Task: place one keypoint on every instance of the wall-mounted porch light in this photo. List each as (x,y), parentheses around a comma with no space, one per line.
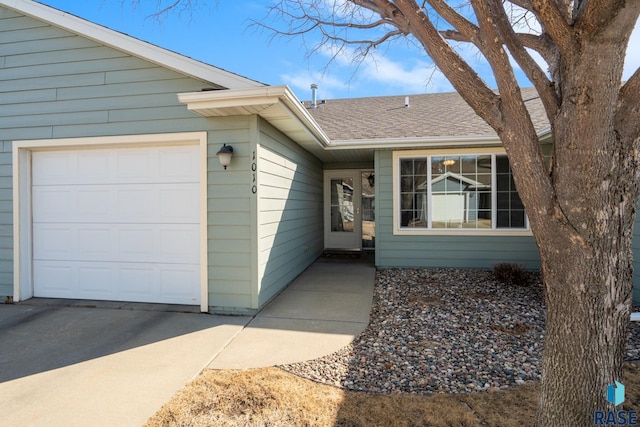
(224,155)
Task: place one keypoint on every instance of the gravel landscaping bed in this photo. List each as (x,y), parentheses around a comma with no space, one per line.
(443,331)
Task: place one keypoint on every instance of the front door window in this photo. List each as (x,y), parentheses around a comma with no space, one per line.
(342,208)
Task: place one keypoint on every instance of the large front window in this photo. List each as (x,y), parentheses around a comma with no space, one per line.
(458,192)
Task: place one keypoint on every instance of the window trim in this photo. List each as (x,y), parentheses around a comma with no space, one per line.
(397,230)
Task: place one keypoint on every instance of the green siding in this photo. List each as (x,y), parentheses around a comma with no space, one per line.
(54,84)
(289,208)
(439,250)
(229,223)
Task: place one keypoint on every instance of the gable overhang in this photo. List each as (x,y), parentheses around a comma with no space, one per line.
(276,104)
(130,45)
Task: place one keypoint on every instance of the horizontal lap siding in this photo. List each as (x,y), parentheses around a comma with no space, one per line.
(439,250)
(290,233)
(229,204)
(54,84)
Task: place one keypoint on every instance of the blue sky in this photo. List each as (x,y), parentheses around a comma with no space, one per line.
(221,34)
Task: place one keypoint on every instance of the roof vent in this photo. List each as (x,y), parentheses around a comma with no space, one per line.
(314,95)
(406,102)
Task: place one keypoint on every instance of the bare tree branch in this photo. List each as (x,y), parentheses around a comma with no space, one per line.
(455,36)
(454,18)
(162,8)
(555,24)
(474,90)
(491,46)
(538,43)
(522,57)
(593,15)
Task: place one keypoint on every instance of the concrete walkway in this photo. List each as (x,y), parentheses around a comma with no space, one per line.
(323,310)
(70,363)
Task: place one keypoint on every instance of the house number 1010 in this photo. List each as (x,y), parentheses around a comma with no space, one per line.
(254,169)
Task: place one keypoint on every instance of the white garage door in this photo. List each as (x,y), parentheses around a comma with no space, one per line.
(117,224)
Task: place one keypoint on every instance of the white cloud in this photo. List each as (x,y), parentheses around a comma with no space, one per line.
(344,76)
(329,86)
(410,76)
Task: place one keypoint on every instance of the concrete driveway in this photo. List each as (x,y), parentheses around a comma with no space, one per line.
(116,364)
(80,366)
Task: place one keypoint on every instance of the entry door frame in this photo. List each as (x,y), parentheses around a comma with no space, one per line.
(22,227)
(341,240)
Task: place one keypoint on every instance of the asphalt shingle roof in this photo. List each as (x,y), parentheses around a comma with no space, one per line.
(428,115)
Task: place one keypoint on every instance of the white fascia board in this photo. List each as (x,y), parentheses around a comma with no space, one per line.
(130,45)
(231,97)
(266,95)
(300,113)
(426,142)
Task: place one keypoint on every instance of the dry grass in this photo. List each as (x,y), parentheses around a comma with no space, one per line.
(272,397)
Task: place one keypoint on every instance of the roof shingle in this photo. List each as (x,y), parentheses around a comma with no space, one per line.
(428,115)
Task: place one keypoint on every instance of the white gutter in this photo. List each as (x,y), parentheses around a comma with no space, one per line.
(266,96)
(423,142)
(635,317)
(414,142)
(129,44)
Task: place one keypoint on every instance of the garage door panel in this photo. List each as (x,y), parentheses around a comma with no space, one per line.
(53,203)
(178,164)
(93,203)
(117,224)
(146,282)
(171,243)
(134,165)
(137,203)
(116,166)
(95,281)
(179,203)
(92,166)
(53,167)
(53,241)
(54,280)
(178,282)
(136,282)
(179,243)
(136,244)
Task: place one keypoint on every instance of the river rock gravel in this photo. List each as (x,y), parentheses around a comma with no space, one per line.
(443,331)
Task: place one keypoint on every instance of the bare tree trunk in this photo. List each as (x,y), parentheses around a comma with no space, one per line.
(587,319)
(585,244)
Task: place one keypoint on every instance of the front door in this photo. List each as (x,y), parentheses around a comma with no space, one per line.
(343,206)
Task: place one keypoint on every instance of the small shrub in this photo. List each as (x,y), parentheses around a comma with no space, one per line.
(511,274)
